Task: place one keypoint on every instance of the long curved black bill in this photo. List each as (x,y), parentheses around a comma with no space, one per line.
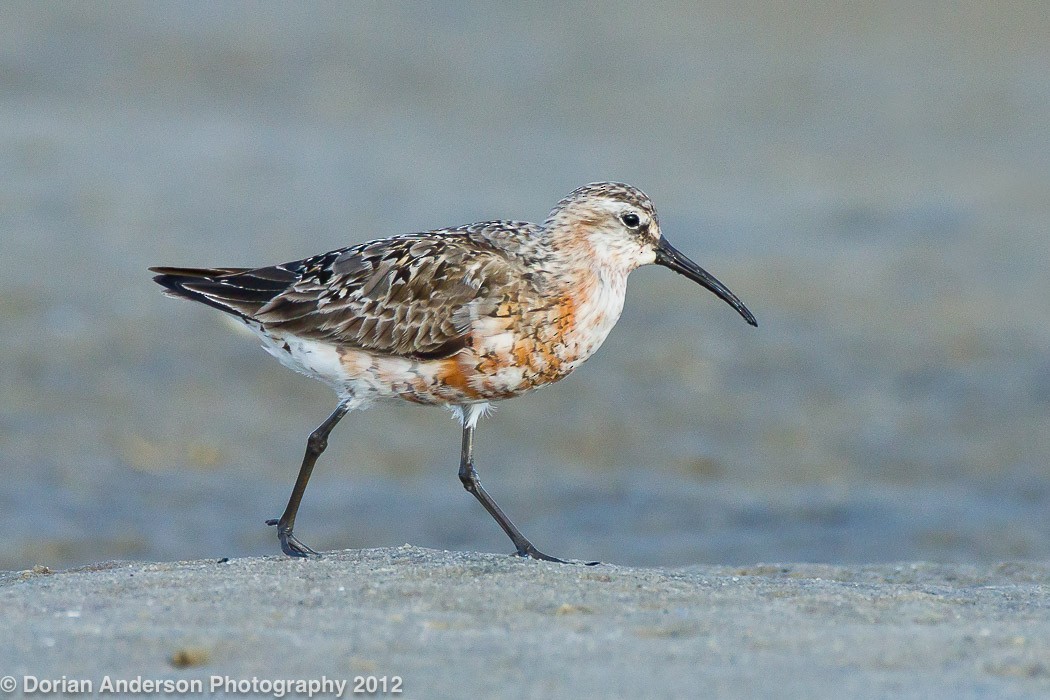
(669,256)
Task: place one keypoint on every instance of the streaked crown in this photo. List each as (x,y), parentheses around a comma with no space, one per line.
(588,197)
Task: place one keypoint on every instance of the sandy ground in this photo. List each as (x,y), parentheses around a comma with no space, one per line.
(873,181)
(480,625)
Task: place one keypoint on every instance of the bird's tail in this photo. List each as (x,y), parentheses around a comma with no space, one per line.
(239,291)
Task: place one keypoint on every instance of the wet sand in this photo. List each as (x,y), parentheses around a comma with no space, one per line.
(483,625)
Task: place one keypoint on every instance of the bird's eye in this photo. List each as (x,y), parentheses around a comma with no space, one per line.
(630,219)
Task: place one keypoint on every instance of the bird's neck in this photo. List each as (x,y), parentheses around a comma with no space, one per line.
(593,285)
(578,259)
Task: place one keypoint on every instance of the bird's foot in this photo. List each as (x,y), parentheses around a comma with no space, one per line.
(528,550)
(290,544)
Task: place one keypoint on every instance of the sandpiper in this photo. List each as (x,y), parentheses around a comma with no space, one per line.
(457,317)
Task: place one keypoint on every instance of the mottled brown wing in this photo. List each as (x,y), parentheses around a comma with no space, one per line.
(413,296)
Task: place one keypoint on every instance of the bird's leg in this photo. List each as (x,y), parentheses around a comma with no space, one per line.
(315,445)
(469,476)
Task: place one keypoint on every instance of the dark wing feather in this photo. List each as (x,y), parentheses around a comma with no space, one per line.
(239,291)
(412,296)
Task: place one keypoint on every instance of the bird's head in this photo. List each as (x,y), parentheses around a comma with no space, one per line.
(616,227)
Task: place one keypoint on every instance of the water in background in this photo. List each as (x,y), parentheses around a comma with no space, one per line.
(873,182)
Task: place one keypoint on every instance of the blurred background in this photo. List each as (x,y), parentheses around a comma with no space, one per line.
(872,179)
